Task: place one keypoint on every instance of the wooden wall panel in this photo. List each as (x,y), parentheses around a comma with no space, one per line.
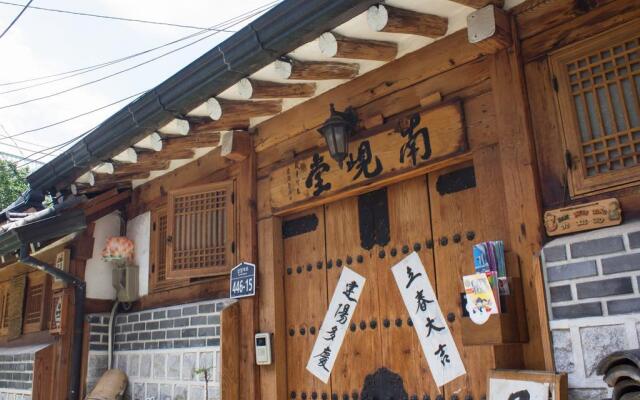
(229,355)
(361,353)
(306,301)
(43,369)
(410,230)
(478,210)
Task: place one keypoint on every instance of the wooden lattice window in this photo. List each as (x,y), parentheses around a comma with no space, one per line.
(598,94)
(158,272)
(200,231)
(38,293)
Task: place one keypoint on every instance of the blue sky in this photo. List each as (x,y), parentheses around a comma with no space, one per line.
(43,43)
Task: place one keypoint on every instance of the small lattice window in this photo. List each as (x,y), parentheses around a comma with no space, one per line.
(598,93)
(34,310)
(200,231)
(158,276)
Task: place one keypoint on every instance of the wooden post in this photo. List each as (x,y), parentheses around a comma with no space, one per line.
(383,18)
(247,251)
(334,45)
(229,353)
(521,186)
(273,378)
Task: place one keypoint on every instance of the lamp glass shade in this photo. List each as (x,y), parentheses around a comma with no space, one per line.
(337,131)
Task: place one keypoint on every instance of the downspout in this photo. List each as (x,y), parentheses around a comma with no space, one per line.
(79,287)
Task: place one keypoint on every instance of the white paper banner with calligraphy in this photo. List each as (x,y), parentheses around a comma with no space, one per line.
(504,389)
(435,338)
(335,324)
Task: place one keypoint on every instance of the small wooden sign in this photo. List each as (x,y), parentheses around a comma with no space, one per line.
(63,259)
(583,217)
(410,144)
(58,313)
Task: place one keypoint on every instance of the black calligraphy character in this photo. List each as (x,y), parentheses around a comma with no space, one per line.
(362,162)
(332,333)
(318,167)
(351,287)
(444,357)
(342,313)
(411,148)
(520,395)
(432,326)
(412,276)
(422,301)
(323,358)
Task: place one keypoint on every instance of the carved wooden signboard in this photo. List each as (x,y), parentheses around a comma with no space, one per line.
(583,217)
(412,143)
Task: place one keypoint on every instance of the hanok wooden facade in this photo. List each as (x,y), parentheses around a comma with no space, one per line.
(543,113)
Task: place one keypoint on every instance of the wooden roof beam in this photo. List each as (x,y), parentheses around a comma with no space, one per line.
(236,109)
(103,168)
(129,156)
(193,141)
(256,89)
(152,142)
(152,165)
(477,4)
(177,127)
(202,126)
(383,18)
(315,70)
(335,45)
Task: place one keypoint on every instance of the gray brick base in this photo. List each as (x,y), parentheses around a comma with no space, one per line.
(16,375)
(592,281)
(160,350)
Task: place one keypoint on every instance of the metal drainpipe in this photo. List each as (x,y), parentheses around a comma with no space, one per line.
(80,293)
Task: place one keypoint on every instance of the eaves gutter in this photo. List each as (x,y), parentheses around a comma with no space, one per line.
(284,28)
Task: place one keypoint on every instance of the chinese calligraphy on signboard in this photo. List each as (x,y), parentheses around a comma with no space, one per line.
(336,321)
(435,338)
(418,140)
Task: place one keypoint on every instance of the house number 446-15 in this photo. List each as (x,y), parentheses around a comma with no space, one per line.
(243,279)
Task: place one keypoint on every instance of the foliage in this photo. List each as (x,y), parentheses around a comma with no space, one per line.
(12,182)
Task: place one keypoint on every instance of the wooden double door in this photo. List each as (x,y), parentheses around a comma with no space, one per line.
(440,216)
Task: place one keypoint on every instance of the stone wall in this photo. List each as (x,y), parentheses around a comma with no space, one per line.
(592,284)
(160,350)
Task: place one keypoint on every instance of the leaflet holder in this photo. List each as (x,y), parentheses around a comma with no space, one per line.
(510,326)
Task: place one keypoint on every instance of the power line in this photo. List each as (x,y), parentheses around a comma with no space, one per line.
(24,8)
(112,17)
(115,61)
(116,73)
(74,117)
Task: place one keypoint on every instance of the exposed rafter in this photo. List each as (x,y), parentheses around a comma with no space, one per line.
(335,45)
(382,18)
(127,157)
(152,142)
(256,89)
(176,126)
(315,70)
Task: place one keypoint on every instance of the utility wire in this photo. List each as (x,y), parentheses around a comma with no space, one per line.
(115,61)
(52,149)
(111,17)
(74,117)
(115,73)
(24,8)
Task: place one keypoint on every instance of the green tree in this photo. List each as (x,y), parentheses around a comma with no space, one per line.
(12,182)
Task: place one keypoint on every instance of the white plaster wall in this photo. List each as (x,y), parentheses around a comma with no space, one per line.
(98,272)
(139,231)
